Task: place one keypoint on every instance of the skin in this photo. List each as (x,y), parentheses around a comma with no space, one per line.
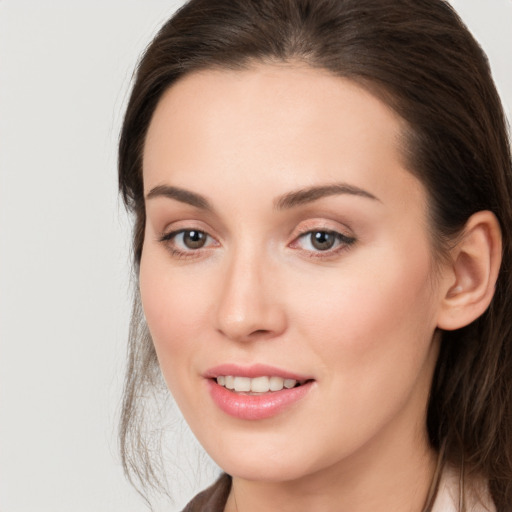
(360,319)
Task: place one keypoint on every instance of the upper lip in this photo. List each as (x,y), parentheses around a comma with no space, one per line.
(252,371)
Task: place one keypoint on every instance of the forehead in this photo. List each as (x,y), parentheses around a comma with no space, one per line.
(292,123)
(267,96)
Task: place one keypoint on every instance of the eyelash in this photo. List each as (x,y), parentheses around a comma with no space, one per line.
(343,243)
(169,240)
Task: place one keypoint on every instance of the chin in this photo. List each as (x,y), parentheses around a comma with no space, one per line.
(263,470)
(265,459)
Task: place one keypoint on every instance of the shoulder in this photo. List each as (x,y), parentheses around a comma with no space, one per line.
(454,494)
(212,499)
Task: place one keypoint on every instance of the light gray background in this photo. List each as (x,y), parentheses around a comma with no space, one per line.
(65,71)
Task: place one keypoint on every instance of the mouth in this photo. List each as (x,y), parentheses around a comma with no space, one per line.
(257,392)
(257,385)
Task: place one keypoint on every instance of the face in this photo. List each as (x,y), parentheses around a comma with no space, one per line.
(287,255)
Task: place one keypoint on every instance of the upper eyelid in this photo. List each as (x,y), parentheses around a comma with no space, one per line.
(167,235)
(322,225)
(347,238)
(333,231)
(300,229)
(188,225)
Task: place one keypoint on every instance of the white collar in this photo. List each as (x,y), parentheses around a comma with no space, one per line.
(476,495)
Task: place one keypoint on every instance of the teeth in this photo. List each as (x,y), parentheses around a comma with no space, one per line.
(289,383)
(260,385)
(276,383)
(256,385)
(229,382)
(242,384)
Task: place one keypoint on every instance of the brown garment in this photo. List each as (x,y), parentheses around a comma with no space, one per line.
(477,498)
(212,499)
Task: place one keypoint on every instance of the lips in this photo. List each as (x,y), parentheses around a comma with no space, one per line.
(256,392)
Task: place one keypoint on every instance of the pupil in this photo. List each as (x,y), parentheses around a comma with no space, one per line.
(194,239)
(322,240)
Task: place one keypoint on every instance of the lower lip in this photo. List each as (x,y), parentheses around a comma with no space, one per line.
(256,407)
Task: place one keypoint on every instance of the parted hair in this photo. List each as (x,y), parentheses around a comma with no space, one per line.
(420,59)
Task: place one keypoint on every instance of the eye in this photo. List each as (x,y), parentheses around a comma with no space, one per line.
(323,240)
(185,241)
(192,239)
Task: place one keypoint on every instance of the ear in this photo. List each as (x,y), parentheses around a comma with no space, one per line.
(471,277)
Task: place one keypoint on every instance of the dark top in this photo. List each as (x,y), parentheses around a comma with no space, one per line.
(212,499)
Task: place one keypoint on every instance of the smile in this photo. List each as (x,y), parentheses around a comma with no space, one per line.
(258,392)
(257,384)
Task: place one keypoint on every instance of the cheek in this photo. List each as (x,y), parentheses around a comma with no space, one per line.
(371,335)
(174,307)
(374,314)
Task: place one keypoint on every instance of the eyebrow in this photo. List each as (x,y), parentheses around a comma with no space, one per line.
(287,201)
(310,194)
(179,194)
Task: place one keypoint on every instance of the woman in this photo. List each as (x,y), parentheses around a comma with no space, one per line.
(321,192)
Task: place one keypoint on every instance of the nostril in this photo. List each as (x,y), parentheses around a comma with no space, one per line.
(260,332)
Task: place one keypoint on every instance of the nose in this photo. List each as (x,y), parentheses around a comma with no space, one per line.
(250,305)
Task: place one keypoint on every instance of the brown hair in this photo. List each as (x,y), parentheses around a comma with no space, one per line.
(420,59)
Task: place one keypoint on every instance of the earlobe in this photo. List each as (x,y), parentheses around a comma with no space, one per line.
(471,278)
